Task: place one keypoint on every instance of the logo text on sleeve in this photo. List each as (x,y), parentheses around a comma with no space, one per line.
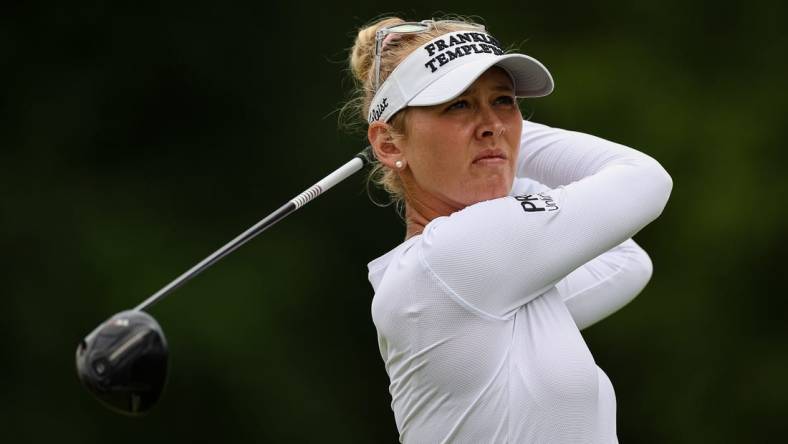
(537,202)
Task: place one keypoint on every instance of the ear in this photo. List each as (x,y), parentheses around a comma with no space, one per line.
(387,150)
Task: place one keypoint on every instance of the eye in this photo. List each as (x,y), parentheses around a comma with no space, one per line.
(505,100)
(460,104)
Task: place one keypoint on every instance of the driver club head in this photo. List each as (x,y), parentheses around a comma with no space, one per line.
(123,362)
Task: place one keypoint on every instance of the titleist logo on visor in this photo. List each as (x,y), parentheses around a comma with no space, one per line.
(460,45)
(377,111)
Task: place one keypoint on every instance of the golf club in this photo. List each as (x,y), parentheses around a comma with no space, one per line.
(123,362)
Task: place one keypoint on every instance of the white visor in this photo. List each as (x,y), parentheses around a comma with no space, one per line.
(443,68)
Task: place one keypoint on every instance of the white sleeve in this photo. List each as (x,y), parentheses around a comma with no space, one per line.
(500,254)
(603,285)
(551,170)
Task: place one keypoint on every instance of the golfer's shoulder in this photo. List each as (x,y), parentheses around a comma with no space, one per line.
(401,261)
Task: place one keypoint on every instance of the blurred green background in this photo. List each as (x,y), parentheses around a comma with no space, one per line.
(136,138)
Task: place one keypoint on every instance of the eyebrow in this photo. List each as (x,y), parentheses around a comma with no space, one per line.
(498,87)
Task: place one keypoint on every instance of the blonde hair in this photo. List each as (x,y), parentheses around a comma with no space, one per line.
(362,61)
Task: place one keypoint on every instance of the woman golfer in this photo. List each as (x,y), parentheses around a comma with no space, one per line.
(517,237)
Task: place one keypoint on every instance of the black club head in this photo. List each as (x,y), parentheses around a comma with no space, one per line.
(123,362)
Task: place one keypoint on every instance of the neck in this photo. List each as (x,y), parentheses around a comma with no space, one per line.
(418,214)
(414,222)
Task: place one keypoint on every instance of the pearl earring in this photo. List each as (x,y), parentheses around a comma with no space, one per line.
(399,164)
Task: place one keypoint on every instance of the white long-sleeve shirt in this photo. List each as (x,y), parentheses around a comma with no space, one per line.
(478,317)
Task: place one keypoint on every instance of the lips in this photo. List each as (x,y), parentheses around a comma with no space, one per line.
(490,155)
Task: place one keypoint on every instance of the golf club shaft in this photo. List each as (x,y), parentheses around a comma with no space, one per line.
(297,202)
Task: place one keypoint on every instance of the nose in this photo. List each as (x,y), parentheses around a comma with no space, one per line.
(490,125)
